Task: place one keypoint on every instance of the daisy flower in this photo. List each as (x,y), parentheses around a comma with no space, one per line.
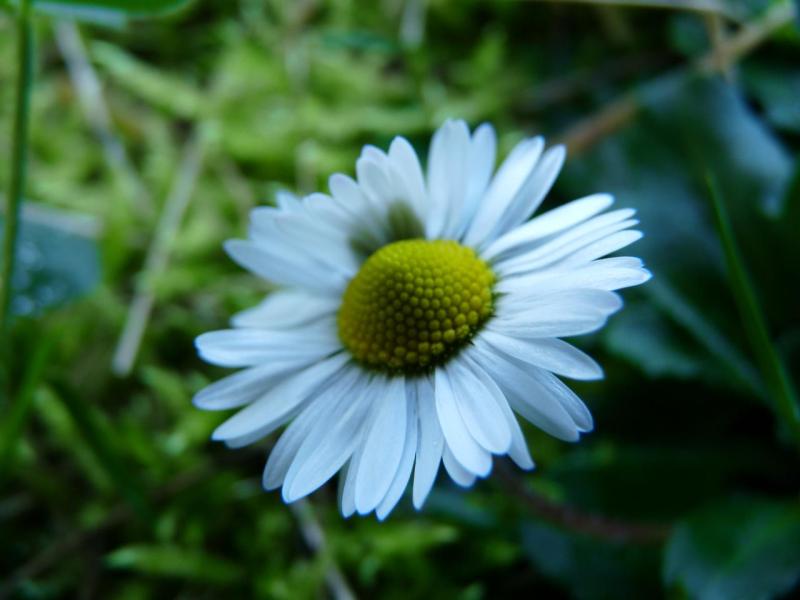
(416,314)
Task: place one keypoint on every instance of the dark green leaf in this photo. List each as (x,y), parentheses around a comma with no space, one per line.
(658,166)
(741,549)
(588,568)
(776,88)
(641,335)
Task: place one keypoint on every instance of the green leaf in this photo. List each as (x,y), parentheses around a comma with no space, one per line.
(113,13)
(610,479)
(588,568)
(640,335)
(57,259)
(776,88)
(174,561)
(16,414)
(754,321)
(658,165)
(744,548)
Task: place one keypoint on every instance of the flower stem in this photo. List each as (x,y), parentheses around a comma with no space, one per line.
(16,187)
(776,376)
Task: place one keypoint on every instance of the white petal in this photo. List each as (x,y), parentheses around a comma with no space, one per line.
(600,248)
(548,384)
(549,223)
(269,410)
(248,347)
(431,441)
(316,238)
(446,178)
(549,353)
(287,309)
(525,259)
(530,195)
(257,434)
(558,314)
(375,181)
(480,166)
(604,274)
(383,446)
(287,201)
(347,487)
(456,470)
(245,386)
(400,481)
(569,400)
(283,268)
(479,405)
(518,451)
(503,188)
(406,165)
(330,443)
(349,195)
(525,395)
(318,409)
(466,450)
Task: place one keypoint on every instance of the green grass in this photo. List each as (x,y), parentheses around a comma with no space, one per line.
(110,485)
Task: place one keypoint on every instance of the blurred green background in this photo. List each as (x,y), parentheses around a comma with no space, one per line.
(150,142)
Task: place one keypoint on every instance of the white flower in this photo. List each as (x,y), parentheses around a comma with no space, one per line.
(415,316)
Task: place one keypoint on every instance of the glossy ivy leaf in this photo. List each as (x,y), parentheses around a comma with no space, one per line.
(744,548)
(57,260)
(113,13)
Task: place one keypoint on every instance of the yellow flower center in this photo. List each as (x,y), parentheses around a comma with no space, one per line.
(414,303)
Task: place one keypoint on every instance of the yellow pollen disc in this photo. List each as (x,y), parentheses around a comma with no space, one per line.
(414,303)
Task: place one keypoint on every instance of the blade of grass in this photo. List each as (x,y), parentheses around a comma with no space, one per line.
(16,414)
(157,258)
(98,437)
(694,323)
(16,186)
(775,374)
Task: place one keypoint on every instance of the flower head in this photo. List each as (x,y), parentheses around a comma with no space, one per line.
(416,314)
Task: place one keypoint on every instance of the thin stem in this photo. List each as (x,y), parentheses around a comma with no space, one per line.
(773,370)
(314,536)
(574,520)
(16,187)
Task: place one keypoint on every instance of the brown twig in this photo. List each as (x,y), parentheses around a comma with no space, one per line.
(598,526)
(623,109)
